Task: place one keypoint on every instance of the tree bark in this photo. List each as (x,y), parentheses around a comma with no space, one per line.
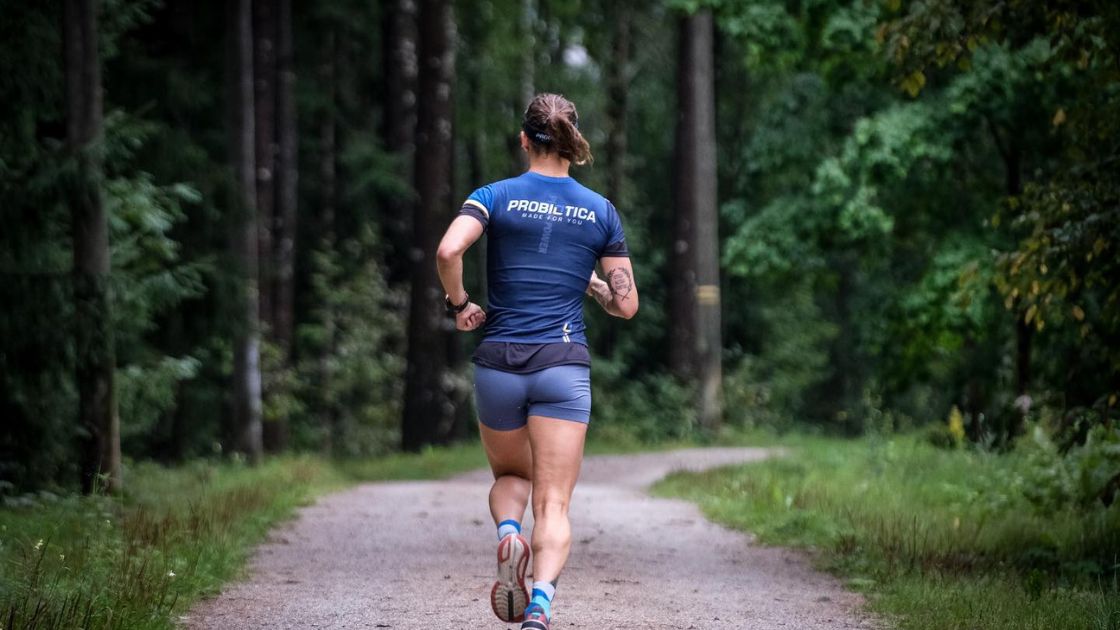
(527,32)
(264,109)
(287,179)
(328,167)
(695,343)
(246,431)
(95,354)
(428,413)
(400,77)
(682,258)
(618,83)
(276,186)
(1009,150)
(845,366)
(473,28)
(527,25)
(399,131)
(1024,330)
(620,15)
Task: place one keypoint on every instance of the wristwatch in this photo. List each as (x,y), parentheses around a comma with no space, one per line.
(455,309)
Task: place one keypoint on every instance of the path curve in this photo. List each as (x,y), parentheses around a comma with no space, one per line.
(409,554)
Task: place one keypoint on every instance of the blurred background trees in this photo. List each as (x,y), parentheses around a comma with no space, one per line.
(913,205)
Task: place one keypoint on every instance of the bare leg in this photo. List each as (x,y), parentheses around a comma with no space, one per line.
(557,452)
(511,461)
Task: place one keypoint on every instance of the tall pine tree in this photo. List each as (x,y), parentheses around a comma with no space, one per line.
(94,345)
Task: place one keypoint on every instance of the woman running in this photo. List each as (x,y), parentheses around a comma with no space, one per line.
(533,369)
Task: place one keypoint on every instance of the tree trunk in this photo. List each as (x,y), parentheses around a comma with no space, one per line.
(327,186)
(695,343)
(845,369)
(399,130)
(682,259)
(287,179)
(400,77)
(527,33)
(276,187)
(264,109)
(1024,330)
(243,242)
(618,85)
(527,25)
(474,28)
(95,355)
(428,416)
(1008,148)
(709,342)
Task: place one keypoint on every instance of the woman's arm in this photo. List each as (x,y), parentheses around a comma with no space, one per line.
(618,294)
(462,233)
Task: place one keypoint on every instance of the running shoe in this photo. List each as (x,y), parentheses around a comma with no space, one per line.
(535,619)
(509,596)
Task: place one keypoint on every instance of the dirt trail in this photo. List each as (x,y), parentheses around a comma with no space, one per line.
(421,554)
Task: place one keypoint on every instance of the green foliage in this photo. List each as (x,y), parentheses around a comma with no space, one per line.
(353,374)
(145,394)
(649,409)
(916,525)
(947,306)
(39,395)
(766,388)
(771,35)
(942,332)
(911,220)
(1042,77)
(148,280)
(879,245)
(1086,477)
(884,149)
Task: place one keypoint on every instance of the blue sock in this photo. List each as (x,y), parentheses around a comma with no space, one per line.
(543,592)
(507,527)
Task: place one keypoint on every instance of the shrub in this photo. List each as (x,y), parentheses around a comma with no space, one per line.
(1086,476)
(649,408)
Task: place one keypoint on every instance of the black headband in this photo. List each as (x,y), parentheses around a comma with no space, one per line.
(540,134)
(536,133)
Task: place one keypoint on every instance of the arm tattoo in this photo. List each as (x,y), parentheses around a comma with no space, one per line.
(620,282)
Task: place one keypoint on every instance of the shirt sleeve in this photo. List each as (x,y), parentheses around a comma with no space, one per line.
(616,237)
(478,205)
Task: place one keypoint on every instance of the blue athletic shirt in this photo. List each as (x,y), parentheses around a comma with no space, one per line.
(545,235)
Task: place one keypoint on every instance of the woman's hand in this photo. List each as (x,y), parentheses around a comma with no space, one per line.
(470,318)
(600,290)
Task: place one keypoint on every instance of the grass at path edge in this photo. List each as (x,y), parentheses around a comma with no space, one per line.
(937,539)
(175,536)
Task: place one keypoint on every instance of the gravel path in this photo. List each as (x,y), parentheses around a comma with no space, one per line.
(420,555)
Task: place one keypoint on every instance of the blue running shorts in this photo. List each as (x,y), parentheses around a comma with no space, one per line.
(506,400)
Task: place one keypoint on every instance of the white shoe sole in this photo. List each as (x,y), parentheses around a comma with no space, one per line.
(509,597)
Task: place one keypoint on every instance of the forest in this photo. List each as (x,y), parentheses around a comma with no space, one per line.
(908,210)
(849,219)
